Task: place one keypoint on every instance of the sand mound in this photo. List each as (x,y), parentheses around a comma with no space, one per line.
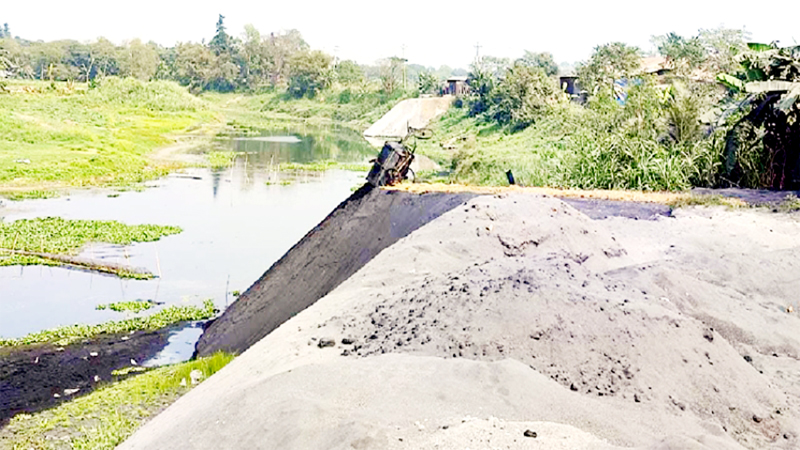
(520,311)
(357,230)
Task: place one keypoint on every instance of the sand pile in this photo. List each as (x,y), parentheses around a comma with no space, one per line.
(518,313)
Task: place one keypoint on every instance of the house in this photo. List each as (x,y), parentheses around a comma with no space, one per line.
(456,86)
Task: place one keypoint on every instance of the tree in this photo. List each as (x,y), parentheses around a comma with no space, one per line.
(282,47)
(310,73)
(221,42)
(494,65)
(607,64)
(391,70)
(681,53)
(543,61)
(723,46)
(481,83)
(349,72)
(522,96)
(139,60)
(105,56)
(5,32)
(428,83)
(255,59)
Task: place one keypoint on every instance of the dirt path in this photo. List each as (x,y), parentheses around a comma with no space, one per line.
(517,312)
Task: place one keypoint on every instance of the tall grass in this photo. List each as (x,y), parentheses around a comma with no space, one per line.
(601,146)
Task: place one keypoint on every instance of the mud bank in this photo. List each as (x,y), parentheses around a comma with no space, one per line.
(37,377)
(518,312)
(354,233)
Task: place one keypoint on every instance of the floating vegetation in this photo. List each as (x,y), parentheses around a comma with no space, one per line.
(71,333)
(284,182)
(54,241)
(135,306)
(221,160)
(321,166)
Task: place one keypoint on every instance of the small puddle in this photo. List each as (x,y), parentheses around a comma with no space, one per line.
(237,222)
(179,348)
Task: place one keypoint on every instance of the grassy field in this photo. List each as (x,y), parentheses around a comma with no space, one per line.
(66,136)
(107,416)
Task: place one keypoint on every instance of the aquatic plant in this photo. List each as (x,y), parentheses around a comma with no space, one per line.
(71,333)
(135,306)
(42,241)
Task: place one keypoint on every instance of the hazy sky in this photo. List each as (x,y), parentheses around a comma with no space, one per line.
(433,32)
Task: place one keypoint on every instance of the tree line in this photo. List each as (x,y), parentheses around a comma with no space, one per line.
(226,63)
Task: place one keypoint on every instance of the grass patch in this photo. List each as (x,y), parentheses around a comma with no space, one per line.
(109,415)
(90,137)
(135,306)
(790,204)
(68,334)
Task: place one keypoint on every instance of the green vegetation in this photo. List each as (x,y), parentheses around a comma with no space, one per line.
(632,127)
(135,306)
(57,235)
(321,166)
(221,160)
(60,135)
(762,147)
(109,415)
(45,241)
(68,334)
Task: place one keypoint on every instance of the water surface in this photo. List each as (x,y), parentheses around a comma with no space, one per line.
(237,222)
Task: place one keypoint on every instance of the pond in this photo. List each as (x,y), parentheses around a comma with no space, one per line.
(237,222)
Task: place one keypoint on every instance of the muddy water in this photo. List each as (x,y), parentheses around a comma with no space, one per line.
(236,221)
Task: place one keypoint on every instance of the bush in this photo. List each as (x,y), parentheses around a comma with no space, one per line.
(152,95)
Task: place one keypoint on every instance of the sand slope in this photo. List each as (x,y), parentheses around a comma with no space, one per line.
(519,312)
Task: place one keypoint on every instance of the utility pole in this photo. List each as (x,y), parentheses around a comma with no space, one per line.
(478,54)
(404,67)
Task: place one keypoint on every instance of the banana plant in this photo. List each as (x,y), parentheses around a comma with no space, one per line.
(762,148)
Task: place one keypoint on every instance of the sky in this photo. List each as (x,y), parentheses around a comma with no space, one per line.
(431,33)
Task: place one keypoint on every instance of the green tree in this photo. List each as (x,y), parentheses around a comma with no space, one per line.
(256,59)
(607,64)
(391,71)
(221,42)
(428,83)
(681,53)
(522,96)
(349,73)
(281,49)
(723,47)
(542,60)
(139,60)
(310,73)
(481,83)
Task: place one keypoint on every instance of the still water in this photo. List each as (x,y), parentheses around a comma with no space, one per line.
(236,223)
